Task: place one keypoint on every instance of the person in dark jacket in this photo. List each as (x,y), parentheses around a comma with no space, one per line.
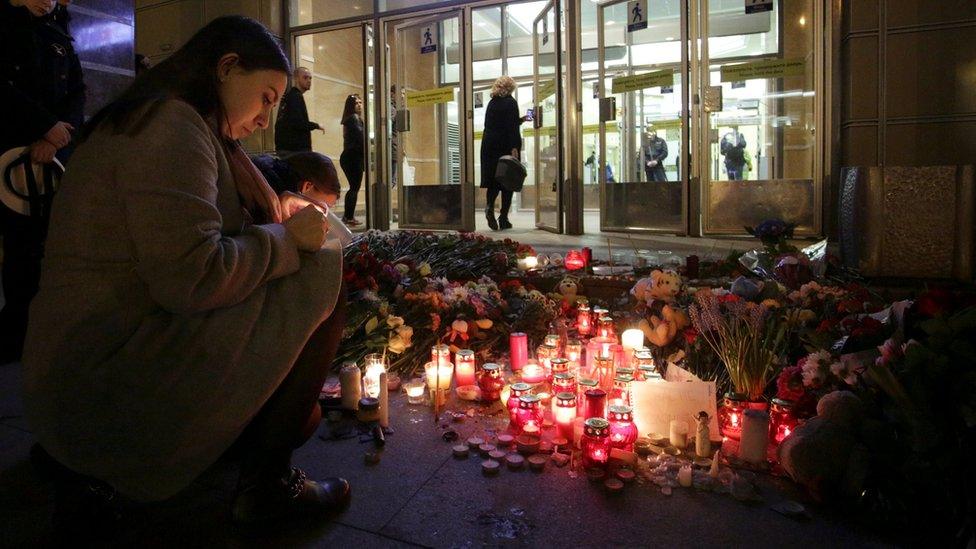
(42,101)
(353,157)
(652,156)
(733,148)
(501,137)
(293,130)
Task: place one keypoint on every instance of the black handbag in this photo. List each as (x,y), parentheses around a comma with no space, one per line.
(510,174)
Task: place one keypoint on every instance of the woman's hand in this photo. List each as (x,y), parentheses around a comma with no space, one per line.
(292,203)
(515,153)
(308,227)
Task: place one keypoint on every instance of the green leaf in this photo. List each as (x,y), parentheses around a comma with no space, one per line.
(371,324)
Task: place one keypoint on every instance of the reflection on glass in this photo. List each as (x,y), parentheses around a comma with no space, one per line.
(306,12)
(547,112)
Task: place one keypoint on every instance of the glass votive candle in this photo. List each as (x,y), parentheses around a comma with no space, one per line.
(564,383)
(553,340)
(415,391)
(491,382)
(605,328)
(678,435)
(559,366)
(631,339)
(583,385)
(595,403)
(530,414)
(438,380)
(782,422)
(544,354)
(596,443)
(596,347)
(533,373)
(623,432)
(517,390)
(563,413)
(440,354)
(644,363)
(375,364)
(574,353)
(605,372)
(620,396)
(518,350)
(464,368)
(584,320)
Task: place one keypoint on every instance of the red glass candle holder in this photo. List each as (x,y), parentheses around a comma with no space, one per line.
(465,369)
(574,260)
(574,353)
(623,432)
(559,365)
(595,443)
(730,415)
(517,390)
(620,396)
(564,383)
(584,384)
(530,414)
(595,403)
(606,371)
(782,422)
(544,355)
(605,328)
(584,320)
(441,354)
(563,413)
(491,383)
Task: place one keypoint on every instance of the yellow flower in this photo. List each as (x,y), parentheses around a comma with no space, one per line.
(460,326)
(484,323)
(770,303)
(394,321)
(396,345)
(424,269)
(405,333)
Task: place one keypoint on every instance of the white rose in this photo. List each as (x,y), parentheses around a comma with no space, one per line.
(394,321)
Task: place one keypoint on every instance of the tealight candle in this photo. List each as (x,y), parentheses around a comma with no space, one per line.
(464,367)
(518,350)
(684,476)
(415,391)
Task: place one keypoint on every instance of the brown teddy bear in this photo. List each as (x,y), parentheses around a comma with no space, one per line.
(662,330)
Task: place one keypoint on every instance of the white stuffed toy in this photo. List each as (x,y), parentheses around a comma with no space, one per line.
(660,286)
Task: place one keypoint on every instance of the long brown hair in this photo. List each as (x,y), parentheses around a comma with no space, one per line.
(349,109)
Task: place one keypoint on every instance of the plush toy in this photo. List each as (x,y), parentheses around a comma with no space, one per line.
(660,286)
(568,291)
(661,330)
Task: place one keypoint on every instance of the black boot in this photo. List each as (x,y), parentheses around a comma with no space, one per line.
(503,222)
(267,502)
(490,216)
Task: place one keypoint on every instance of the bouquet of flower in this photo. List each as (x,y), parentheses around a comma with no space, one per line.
(747,339)
(774,234)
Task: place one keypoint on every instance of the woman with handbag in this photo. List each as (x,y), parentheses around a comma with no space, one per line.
(501,137)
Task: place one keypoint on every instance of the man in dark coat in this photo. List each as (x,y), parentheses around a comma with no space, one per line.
(652,157)
(293,130)
(733,148)
(42,101)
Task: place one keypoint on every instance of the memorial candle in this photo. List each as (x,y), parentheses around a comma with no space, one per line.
(530,414)
(518,350)
(755,436)
(605,328)
(491,382)
(596,443)
(595,403)
(631,339)
(574,352)
(375,364)
(564,412)
(606,372)
(596,347)
(517,390)
(533,373)
(584,320)
(782,422)
(544,354)
(465,368)
(564,383)
(559,366)
(438,381)
(440,354)
(623,432)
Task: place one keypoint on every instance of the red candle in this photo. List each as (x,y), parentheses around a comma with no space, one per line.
(620,396)
(564,383)
(491,382)
(606,371)
(587,256)
(564,412)
(574,260)
(530,414)
(781,421)
(623,432)
(584,320)
(518,389)
(518,350)
(595,403)
(596,443)
(464,367)
(730,415)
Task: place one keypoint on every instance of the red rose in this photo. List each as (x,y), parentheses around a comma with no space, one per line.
(932,303)
(691,334)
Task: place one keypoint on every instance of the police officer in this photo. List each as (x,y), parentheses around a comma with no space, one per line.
(652,156)
(42,99)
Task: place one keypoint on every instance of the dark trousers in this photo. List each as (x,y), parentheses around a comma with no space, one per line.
(23,248)
(656,173)
(352,167)
(283,423)
(734,171)
(492,194)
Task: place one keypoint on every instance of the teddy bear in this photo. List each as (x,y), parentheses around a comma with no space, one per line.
(661,286)
(661,330)
(567,291)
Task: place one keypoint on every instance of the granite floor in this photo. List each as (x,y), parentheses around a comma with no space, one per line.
(419,495)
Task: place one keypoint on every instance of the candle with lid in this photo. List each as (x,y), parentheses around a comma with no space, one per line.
(564,382)
(621,390)
(584,320)
(574,352)
(623,432)
(491,382)
(544,354)
(530,414)
(440,354)
(564,412)
(782,422)
(605,328)
(553,340)
(583,385)
(605,370)
(517,390)
(518,350)
(596,443)
(464,367)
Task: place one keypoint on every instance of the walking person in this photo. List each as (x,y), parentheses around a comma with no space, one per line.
(293,129)
(42,101)
(185,310)
(733,148)
(353,157)
(501,137)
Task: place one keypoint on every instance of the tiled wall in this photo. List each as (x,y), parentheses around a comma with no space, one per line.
(104,32)
(908,91)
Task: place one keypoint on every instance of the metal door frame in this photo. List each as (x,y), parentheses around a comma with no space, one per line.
(686,121)
(557,75)
(467,187)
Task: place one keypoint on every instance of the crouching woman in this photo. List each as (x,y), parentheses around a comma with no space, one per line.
(185,309)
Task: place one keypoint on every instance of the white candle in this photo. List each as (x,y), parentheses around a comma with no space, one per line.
(351,386)
(384,401)
(755,436)
(632,339)
(684,476)
(375,365)
(533,373)
(439,380)
(415,391)
(528,263)
(679,433)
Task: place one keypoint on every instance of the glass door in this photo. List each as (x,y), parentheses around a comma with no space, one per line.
(433,192)
(340,61)
(760,147)
(643,139)
(547,85)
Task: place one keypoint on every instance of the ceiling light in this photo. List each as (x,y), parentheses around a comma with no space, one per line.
(803,20)
(611,22)
(669,38)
